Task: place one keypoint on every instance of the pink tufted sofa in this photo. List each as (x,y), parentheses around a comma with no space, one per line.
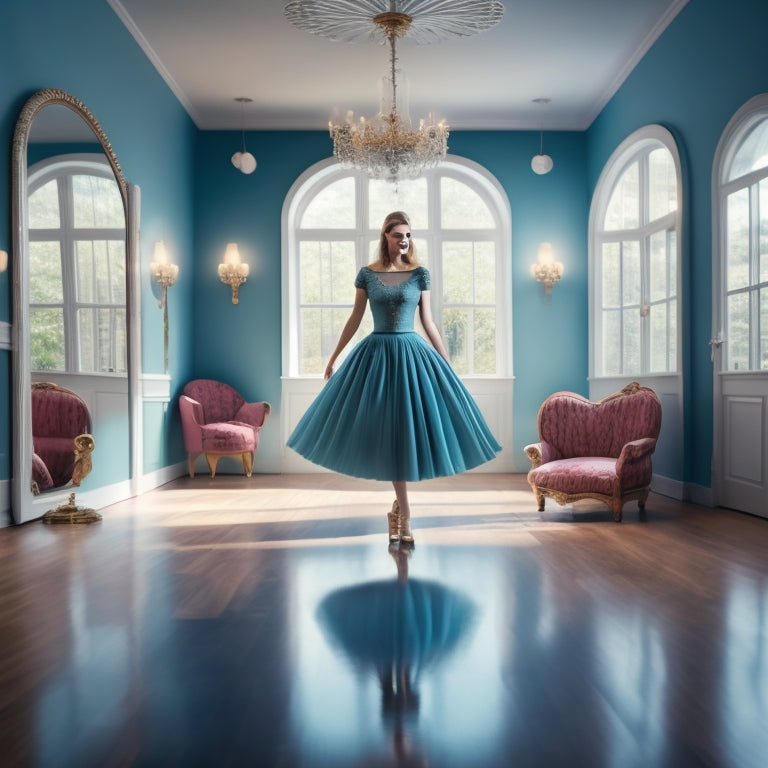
(599,450)
(217,422)
(59,418)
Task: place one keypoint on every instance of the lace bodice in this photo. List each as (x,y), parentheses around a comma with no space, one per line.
(393,296)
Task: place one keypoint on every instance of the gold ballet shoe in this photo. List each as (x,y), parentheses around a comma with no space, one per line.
(393,521)
(406,537)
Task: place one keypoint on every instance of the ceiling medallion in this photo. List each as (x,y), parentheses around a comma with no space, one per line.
(387,146)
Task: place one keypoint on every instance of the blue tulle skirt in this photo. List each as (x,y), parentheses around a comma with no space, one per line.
(395,410)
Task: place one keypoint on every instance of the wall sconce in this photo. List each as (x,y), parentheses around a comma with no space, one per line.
(546,270)
(162,270)
(233,271)
(165,273)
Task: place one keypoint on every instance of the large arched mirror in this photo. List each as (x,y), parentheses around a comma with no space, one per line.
(75,293)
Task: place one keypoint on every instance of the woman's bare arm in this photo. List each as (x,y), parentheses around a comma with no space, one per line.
(361,299)
(425,315)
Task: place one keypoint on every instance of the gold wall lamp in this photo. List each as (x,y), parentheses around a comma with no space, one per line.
(165,273)
(546,270)
(162,270)
(233,271)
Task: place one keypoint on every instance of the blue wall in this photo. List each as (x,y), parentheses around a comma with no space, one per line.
(84,49)
(711,60)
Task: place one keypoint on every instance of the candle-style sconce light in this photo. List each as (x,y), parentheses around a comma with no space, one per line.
(165,273)
(233,271)
(546,270)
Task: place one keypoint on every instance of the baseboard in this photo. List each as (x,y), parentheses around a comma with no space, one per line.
(162,476)
(699,494)
(681,491)
(99,498)
(666,486)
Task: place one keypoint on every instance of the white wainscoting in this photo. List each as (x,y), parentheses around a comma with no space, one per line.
(5,335)
(494,397)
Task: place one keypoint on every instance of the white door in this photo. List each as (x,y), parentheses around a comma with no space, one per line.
(740,311)
(741,450)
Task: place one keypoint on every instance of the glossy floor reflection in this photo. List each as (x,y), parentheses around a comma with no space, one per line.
(268,623)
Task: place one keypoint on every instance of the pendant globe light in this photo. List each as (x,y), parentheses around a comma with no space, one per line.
(244,161)
(541,163)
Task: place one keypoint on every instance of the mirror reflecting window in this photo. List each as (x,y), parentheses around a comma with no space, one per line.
(77,267)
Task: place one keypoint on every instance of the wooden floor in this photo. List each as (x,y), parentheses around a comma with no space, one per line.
(266,622)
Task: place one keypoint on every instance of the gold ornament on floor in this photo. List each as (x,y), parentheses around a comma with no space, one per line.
(71,513)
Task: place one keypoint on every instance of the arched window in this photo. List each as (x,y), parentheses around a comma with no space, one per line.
(635,259)
(742,216)
(77,267)
(460,222)
(461,226)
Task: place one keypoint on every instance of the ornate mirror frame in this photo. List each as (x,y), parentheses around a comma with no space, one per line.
(26,506)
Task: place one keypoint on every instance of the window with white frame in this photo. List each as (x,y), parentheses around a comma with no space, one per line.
(743,197)
(77,267)
(635,258)
(460,223)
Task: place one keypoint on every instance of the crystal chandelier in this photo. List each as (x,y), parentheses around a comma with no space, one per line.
(388,147)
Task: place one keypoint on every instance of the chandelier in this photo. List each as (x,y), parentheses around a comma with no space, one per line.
(388,146)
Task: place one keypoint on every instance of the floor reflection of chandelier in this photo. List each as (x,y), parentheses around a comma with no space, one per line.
(388,146)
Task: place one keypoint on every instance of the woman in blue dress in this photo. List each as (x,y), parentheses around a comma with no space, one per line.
(395,410)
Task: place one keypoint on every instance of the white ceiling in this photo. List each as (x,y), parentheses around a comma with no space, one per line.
(574,52)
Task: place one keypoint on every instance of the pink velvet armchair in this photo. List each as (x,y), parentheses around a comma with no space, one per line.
(599,450)
(62,443)
(218,422)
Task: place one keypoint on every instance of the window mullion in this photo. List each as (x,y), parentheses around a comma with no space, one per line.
(645,267)
(621,307)
(68,273)
(754,277)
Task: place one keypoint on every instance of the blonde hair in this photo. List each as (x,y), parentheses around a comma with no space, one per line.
(393,220)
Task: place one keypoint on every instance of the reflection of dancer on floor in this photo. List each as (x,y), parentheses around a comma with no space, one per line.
(399,697)
(395,410)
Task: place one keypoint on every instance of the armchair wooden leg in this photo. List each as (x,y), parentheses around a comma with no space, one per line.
(192,457)
(540,500)
(247,458)
(213,461)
